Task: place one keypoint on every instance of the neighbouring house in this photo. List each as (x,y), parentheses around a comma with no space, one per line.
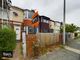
(77,33)
(57,26)
(44,24)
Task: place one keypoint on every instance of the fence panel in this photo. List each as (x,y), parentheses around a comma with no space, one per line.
(48,38)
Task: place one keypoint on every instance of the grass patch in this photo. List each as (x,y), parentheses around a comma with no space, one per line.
(62,46)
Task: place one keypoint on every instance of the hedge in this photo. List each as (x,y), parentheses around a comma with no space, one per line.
(7,39)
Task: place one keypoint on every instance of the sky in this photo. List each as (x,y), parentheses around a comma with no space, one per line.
(53,9)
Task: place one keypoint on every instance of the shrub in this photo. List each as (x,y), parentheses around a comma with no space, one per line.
(7,39)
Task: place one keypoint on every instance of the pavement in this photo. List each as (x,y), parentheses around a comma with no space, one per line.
(60,54)
(74,43)
(72,49)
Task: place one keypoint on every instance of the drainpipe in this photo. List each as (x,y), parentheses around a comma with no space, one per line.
(2,11)
(8,5)
(38,26)
(27,15)
(64,15)
(7,13)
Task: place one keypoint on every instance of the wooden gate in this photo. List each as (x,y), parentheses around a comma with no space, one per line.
(31,39)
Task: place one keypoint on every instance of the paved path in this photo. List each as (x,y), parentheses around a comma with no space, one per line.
(17,54)
(74,43)
(60,54)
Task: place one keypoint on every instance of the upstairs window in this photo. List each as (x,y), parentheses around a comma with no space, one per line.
(15,14)
(30,14)
(45,21)
(35,20)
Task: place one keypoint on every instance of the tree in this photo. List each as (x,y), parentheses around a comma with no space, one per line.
(70,28)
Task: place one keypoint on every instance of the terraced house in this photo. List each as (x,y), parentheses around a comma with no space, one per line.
(16,19)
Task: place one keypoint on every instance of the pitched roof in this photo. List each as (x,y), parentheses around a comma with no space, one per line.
(45,17)
(17,7)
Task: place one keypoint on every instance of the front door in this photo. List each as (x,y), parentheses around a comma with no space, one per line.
(18,32)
